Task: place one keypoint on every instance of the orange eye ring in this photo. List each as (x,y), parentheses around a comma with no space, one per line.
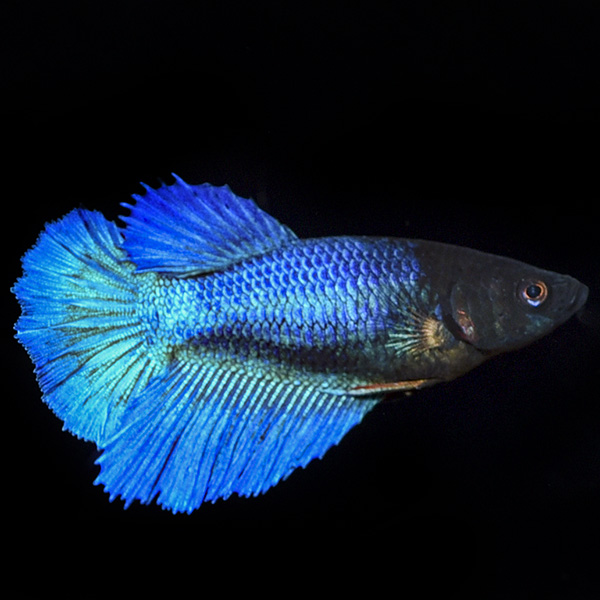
(534,292)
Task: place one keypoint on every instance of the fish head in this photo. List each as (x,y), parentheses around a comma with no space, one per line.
(497,304)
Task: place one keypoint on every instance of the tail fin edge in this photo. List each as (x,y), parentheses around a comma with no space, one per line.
(79,323)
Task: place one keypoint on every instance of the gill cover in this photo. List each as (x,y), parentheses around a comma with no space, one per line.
(461,312)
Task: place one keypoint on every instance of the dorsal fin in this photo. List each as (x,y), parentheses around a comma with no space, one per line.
(187,230)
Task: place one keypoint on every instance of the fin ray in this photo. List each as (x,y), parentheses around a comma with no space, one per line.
(78,323)
(205,431)
(187,230)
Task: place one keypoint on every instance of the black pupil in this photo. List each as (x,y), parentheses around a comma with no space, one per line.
(534,290)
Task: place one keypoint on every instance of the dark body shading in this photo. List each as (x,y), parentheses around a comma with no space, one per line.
(209,351)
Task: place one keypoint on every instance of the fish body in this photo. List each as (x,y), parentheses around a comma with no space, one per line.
(322,307)
(209,351)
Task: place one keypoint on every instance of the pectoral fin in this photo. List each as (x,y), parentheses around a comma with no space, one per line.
(394,386)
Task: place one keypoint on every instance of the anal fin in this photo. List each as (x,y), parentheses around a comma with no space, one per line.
(205,431)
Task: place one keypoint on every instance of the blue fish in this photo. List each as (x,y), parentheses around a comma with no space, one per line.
(207,350)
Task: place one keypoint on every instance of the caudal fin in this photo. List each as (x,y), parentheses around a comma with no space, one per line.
(79,323)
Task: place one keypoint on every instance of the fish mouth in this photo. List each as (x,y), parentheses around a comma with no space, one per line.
(573,295)
(579,296)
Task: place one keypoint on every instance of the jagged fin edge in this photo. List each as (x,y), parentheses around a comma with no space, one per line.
(79,323)
(186,230)
(203,432)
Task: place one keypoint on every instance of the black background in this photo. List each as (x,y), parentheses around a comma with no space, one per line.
(470,123)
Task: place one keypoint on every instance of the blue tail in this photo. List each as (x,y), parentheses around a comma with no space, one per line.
(79,323)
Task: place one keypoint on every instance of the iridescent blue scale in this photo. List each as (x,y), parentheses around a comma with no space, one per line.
(268,303)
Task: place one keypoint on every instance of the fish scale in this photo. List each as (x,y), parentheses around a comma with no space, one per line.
(266,304)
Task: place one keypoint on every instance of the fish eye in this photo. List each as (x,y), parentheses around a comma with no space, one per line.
(533,292)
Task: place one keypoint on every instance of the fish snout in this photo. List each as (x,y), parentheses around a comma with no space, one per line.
(579,295)
(570,296)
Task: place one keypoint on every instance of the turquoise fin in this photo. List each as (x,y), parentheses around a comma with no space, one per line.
(79,323)
(204,431)
(188,230)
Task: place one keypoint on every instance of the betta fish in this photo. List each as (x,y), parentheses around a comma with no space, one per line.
(207,350)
